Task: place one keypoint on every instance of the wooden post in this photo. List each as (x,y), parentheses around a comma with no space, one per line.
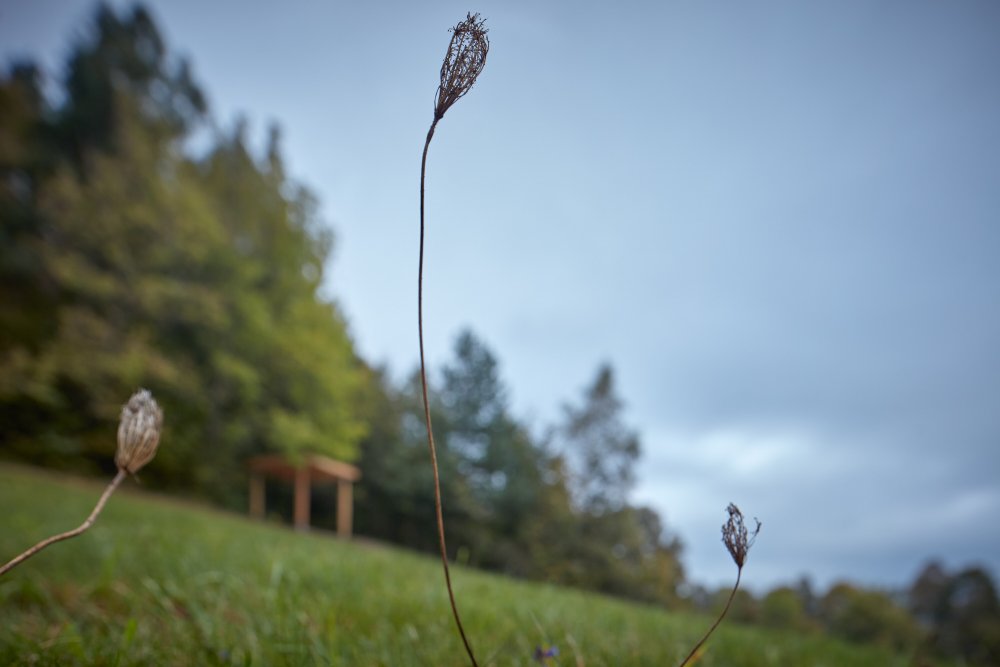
(302,498)
(345,507)
(257,496)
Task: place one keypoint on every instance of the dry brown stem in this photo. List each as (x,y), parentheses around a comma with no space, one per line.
(70,533)
(464,60)
(738,541)
(725,610)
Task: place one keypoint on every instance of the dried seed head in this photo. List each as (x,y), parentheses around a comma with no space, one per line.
(736,537)
(463,62)
(138,431)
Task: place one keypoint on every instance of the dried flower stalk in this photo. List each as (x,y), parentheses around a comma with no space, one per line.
(738,541)
(138,437)
(463,62)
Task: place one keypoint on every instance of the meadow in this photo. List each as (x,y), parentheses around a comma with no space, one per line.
(167,582)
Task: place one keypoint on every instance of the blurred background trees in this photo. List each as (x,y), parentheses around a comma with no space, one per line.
(128,259)
(507,496)
(960,611)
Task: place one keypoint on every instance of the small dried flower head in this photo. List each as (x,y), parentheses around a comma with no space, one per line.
(463,62)
(138,431)
(736,537)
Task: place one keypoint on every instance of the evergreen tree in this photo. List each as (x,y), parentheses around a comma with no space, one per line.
(125,55)
(961,611)
(600,449)
(497,457)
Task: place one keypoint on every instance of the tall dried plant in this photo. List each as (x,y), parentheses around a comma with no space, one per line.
(463,62)
(138,437)
(738,541)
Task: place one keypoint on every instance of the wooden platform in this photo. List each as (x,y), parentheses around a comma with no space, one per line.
(320,469)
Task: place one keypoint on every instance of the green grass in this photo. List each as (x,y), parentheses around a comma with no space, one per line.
(160,582)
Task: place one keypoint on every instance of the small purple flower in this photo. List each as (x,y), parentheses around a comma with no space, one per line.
(543,655)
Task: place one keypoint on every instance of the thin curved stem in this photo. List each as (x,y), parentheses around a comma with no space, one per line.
(729,602)
(427,408)
(70,533)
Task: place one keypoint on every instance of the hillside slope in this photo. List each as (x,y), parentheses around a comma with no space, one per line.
(157,581)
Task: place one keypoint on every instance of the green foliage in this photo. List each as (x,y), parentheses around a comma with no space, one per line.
(157,582)
(961,610)
(599,540)
(26,312)
(130,263)
(124,56)
(868,616)
(783,608)
(495,456)
(127,262)
(600,449)
(744,609)
(506,495)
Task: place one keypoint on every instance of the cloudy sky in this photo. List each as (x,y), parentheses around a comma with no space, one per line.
(779,221)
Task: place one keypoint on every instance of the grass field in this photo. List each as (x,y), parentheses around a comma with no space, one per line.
(160,582)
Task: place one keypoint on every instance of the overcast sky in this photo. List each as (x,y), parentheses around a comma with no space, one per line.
(778,221)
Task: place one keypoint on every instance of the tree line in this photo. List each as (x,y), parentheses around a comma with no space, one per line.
(951,614)
(130,258)
(550,507)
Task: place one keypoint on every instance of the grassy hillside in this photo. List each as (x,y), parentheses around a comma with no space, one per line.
(157,581)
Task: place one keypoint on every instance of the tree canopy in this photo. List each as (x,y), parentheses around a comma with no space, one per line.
(129,260)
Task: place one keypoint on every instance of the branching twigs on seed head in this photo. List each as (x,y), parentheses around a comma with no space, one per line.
(463,62)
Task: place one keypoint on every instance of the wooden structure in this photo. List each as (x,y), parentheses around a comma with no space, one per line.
(312,469)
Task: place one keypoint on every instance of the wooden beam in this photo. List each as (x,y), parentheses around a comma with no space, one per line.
(302,493)
(345,508)
(257,499)
(334,469)
(322,468)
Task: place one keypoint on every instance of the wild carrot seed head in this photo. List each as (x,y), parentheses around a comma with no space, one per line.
(138,431)
(736,537)
(463,62)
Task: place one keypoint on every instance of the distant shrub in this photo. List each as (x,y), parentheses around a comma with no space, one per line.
(783,608)
(868,616)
